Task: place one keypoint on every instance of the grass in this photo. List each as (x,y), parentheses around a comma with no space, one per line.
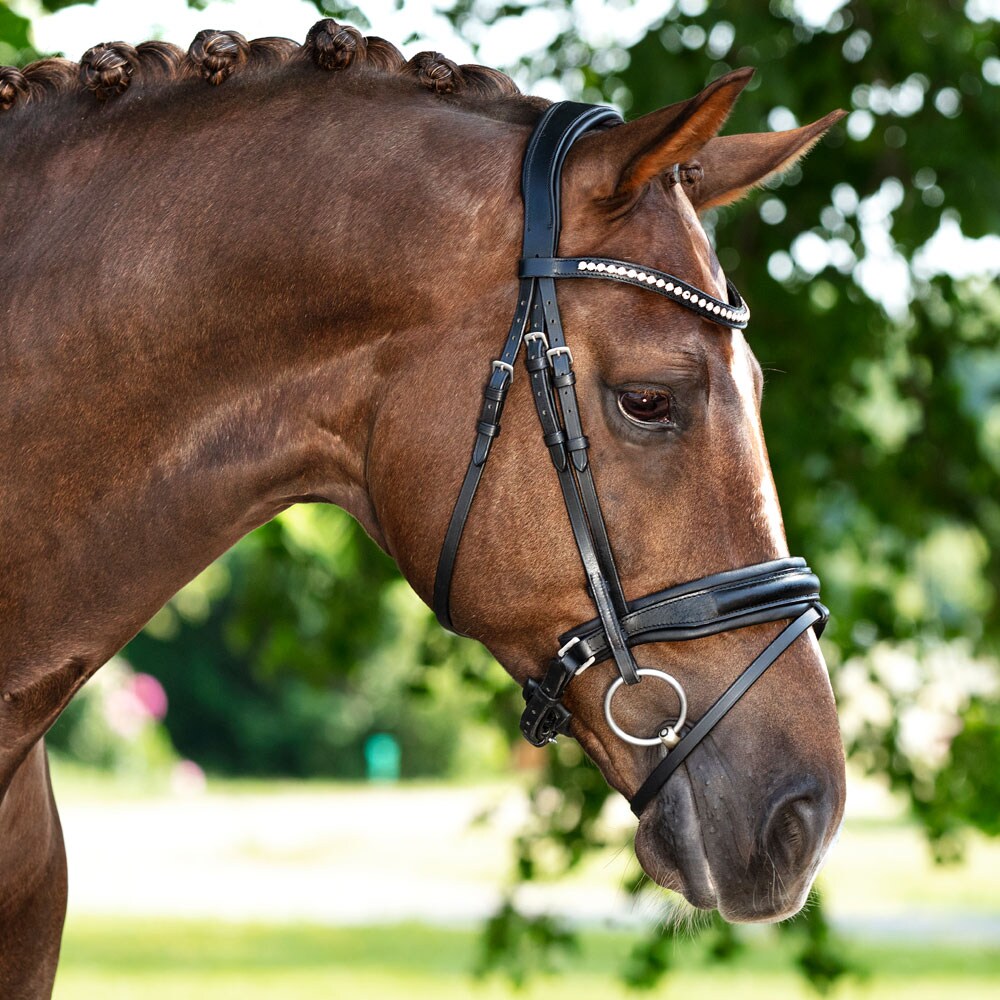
(112,959)
(76,782)
(880,875)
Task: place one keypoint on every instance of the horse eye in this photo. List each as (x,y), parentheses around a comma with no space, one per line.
(646,407)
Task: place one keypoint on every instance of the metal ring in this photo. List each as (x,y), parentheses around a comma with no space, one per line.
(668,735)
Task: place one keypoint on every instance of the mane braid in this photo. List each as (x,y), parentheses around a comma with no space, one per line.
(111,69)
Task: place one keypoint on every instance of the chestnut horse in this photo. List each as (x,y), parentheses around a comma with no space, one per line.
(257,274)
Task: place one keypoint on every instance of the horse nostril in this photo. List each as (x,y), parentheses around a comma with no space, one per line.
(795,828)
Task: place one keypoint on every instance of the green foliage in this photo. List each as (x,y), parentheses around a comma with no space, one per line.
(107,726)
(967,792)
(565,820)
(818,955)
(520,946)
(301,643)
(346,13)
(15,37)
(649,961)
(653,956)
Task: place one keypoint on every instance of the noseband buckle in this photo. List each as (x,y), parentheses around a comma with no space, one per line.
(545,716)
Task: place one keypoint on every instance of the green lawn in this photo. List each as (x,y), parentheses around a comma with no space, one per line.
(880,874)
(172,960)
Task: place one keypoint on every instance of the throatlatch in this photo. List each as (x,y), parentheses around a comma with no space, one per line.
(774,591)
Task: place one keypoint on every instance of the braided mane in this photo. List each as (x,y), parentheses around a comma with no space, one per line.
(109,70)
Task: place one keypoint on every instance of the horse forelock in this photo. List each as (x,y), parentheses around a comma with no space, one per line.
(109,70)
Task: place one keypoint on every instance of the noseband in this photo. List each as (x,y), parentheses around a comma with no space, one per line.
(781,590)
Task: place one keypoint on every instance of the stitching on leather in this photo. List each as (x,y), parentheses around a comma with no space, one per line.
(721,589)
(599,646)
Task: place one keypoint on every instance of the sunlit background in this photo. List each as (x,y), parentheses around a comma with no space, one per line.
(294,784)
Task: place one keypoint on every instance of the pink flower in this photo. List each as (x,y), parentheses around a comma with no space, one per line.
(187,778)
(124,713)
(150,694)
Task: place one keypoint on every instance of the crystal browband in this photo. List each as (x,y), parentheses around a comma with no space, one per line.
(735,313)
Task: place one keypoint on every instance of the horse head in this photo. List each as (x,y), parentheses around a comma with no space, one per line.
(660,406)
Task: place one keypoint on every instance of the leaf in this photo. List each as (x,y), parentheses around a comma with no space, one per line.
(15,30)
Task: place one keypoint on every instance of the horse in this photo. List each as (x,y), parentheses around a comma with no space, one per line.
(255,273)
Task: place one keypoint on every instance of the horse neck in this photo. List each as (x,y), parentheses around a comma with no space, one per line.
(203,306)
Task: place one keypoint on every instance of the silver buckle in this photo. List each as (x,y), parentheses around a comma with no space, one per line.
(504,367)
(537,335)
(569,645)
(554,352)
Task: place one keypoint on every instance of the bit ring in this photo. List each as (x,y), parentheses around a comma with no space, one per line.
(667,735)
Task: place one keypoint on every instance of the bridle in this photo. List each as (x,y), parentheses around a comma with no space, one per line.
(773,591)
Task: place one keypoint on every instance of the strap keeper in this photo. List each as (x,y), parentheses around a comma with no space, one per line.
(556,437)
(578,443)
(538,267)
(488,429)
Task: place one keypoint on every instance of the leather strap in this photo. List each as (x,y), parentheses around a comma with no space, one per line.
(565,448)
(560,126)
(662,772)
(545,716)
(540,186)
(487,429)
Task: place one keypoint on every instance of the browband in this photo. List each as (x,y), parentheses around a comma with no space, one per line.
(735,313)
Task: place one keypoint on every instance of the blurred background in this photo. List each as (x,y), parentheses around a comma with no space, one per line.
(294,784)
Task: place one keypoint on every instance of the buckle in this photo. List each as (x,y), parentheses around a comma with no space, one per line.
(589,662)
(545,717)
(504,367)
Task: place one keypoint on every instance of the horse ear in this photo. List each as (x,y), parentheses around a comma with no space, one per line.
(733,164)
(636,153)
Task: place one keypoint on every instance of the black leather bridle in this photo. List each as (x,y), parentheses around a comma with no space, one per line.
(774,591)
